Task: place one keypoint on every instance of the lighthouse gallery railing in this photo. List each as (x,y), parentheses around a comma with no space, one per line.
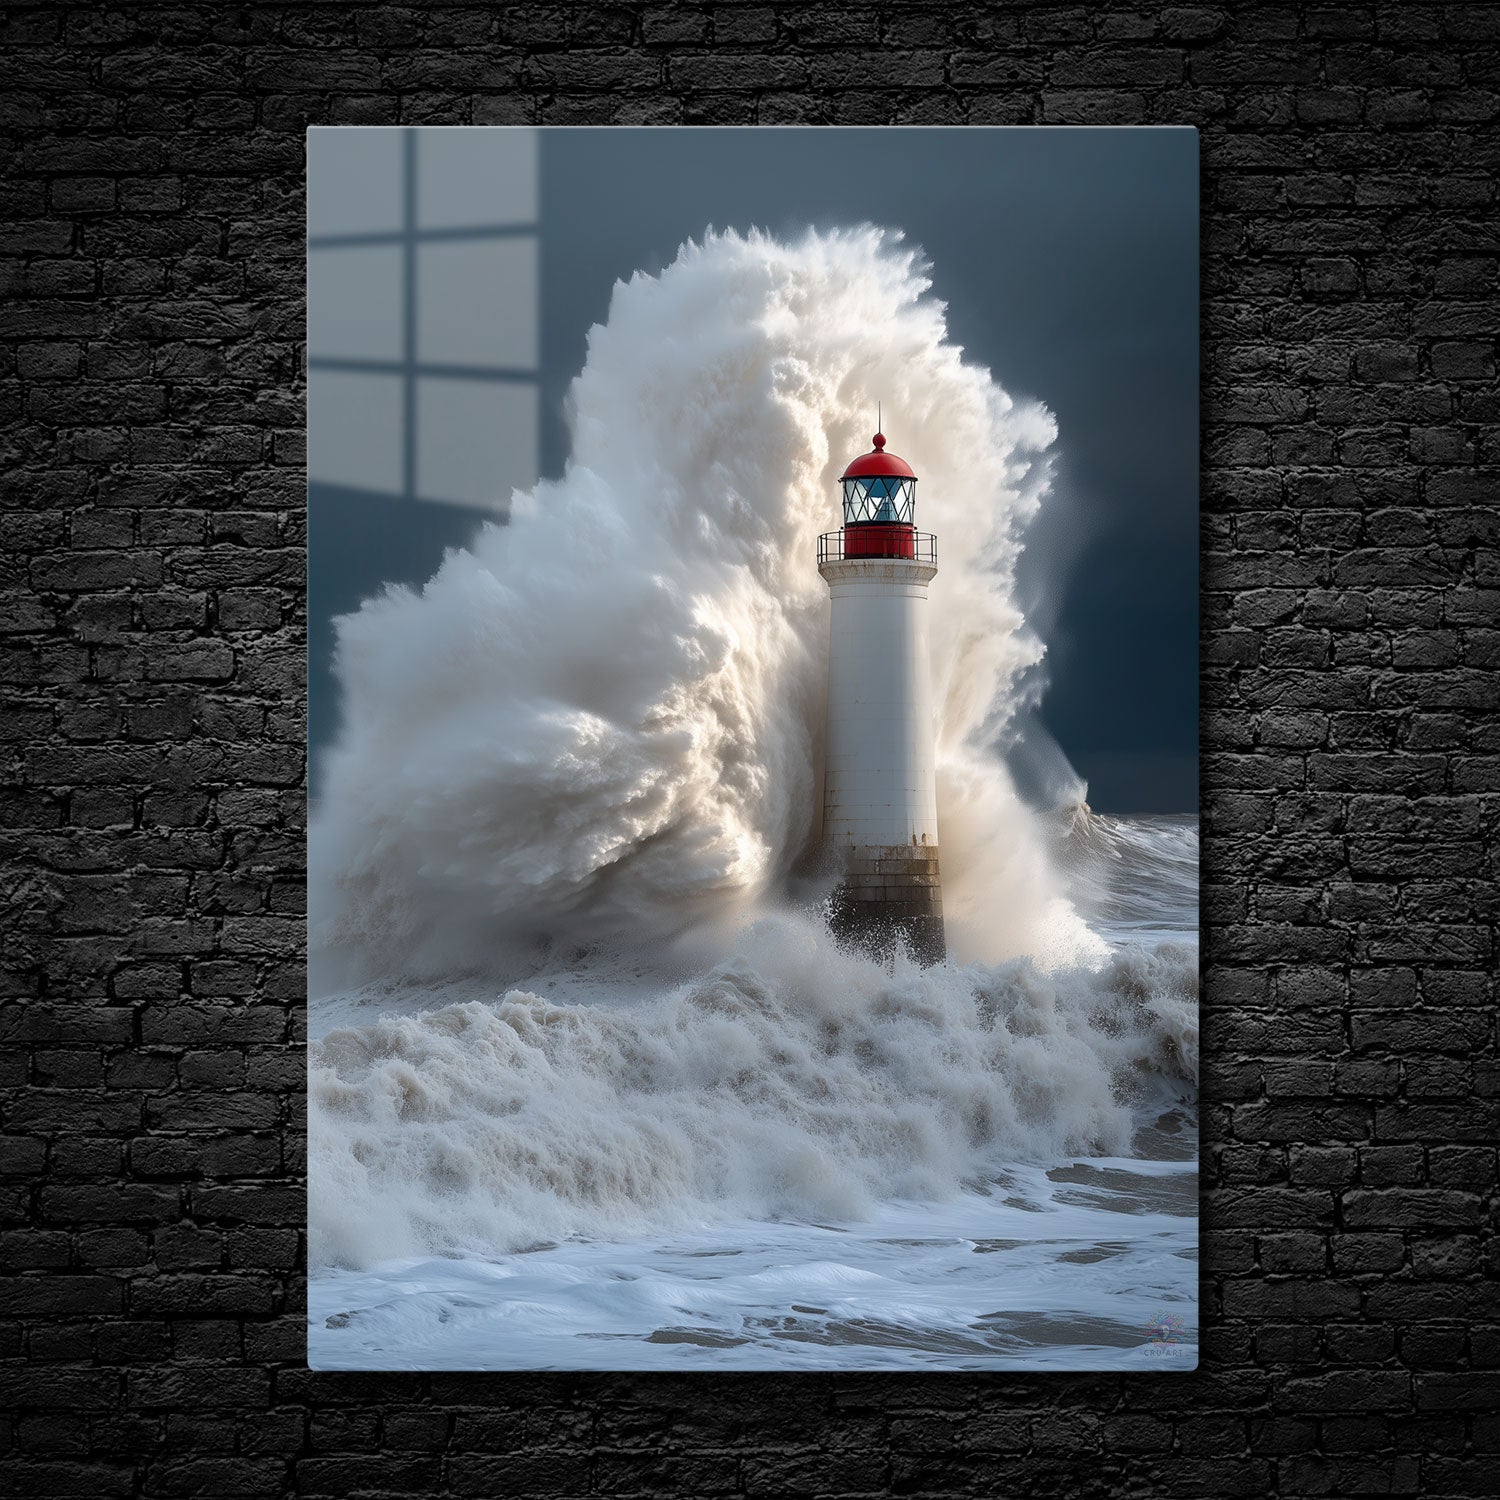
(851,543)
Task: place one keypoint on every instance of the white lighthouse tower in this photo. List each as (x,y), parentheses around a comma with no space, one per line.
(880,797)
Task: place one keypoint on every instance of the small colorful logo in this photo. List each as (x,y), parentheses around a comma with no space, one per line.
(1166,1334)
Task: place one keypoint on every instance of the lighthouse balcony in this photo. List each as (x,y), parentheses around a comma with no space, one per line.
(876,539)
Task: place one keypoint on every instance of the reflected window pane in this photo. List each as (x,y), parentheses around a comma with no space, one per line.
(477,303)
(476,440)
(354,429)
(484,175)
(353,180)
(354,303)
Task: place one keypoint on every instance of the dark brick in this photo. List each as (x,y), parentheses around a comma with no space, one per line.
(150,226)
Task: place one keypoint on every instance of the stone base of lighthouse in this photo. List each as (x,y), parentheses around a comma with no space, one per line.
(891,892)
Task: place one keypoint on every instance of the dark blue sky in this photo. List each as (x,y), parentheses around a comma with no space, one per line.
(1069,262)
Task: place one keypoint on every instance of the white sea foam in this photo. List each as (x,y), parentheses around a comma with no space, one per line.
(790,1080)
(1074,1268)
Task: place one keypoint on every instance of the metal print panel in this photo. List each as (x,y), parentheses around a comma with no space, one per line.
(753,718)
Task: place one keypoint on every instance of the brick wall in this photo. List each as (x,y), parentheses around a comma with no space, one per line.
(150,383)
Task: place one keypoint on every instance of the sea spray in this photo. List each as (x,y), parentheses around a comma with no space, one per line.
(604,719)
(791,1080)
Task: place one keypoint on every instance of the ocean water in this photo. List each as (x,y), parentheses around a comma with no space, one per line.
(1007,1183)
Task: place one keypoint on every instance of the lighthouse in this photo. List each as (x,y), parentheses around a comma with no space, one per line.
(880,785)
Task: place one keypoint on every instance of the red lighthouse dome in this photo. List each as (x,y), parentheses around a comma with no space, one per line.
(878,463)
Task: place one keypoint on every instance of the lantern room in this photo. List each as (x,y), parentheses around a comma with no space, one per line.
(880,511)
(879,487)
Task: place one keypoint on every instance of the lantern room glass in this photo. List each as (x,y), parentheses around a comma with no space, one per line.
(880,497)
